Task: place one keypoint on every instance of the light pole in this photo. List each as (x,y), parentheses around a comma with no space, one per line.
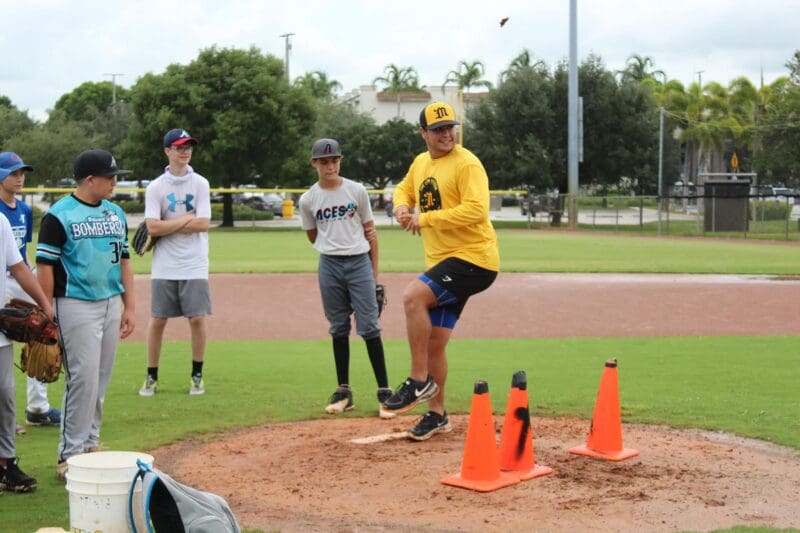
(572,117)
(113,86)
(700,78)
(287,49)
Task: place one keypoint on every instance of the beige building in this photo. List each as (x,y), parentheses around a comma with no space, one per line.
(384,105)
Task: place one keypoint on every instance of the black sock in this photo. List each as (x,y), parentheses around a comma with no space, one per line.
(197,368)
(378,360)
(341,356)
(153,371)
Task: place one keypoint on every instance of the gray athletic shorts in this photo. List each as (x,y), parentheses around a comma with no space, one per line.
(171,298)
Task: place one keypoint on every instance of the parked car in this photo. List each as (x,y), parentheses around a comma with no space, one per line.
(244,198)
(125,190)
(778,193)
(266,202)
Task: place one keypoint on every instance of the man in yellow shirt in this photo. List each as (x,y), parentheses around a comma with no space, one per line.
(449,188)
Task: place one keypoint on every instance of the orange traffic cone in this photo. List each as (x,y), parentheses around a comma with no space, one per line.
(605,433)
(480,468)
(516,438)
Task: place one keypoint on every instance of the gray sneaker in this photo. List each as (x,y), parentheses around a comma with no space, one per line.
(196,386)
(150,386)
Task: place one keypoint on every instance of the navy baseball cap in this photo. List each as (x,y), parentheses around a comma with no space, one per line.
(325,148)
(11,162)
(96,163)
(178,137)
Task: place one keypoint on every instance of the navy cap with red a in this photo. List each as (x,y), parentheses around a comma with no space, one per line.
(177,137)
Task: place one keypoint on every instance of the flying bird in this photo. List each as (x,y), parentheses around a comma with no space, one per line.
(503,21)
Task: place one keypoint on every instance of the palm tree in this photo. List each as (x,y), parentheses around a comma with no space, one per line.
(468,75)
(523,61)
(465,76)
(397,79)
(638,68)
(318,84)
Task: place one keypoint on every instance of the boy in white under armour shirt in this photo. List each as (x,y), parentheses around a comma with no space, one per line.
(337,216)
(177,210)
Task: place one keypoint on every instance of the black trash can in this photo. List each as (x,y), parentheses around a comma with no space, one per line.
(725,205)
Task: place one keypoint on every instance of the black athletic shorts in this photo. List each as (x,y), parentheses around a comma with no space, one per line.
(454,280)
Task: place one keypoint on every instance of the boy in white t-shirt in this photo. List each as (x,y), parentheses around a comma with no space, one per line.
(177,210)
(11,477)
(337,217)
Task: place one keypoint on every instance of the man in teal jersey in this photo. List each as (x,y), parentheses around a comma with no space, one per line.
(83,262)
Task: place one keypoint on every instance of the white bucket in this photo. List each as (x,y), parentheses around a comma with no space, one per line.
(98,485)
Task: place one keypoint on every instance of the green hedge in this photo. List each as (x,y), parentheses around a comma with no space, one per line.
(241,212)
(131,206)
(615,202)
(770,210)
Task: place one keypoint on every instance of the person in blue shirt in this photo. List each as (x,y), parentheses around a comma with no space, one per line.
(20,216)
(83,262)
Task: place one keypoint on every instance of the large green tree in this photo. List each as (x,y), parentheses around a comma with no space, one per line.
(381,154)
(513,131)
(519,130)
(778,160)
(12,121)
(90,97)
(794,68)
(250,122)
(50,150)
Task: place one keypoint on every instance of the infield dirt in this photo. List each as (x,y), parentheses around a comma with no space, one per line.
(307,476)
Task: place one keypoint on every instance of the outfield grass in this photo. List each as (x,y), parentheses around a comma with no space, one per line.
(708,382)
(288,250)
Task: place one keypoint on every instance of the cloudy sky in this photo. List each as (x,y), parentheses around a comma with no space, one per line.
(52,46)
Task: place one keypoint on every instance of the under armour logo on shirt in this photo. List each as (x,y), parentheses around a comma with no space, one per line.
(174,202)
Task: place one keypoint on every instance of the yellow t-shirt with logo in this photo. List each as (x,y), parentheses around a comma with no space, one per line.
(452,196)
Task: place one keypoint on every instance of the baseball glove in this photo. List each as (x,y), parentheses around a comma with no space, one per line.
(143,242)
(41,361)
(380,296)
(25,322)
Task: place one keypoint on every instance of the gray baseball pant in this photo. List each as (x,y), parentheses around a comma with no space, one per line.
(347,286)
(8,414)
(90,331)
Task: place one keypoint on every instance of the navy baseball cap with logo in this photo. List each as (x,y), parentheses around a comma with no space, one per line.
(437,114)
(325,148)
(11,162)
(96,163)
(178,137)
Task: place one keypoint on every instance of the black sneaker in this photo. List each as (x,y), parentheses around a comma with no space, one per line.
(429,425)
(410,394)
(15,479)
(341,401)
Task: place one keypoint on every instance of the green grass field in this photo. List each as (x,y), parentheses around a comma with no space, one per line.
(287,250)
(743,384)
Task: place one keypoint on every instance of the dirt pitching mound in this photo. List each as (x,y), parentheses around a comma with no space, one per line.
(308,476)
